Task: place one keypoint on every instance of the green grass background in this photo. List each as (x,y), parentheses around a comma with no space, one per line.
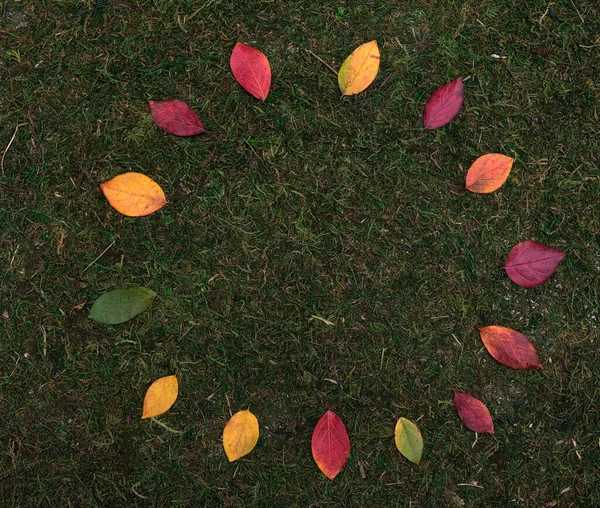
(303,206)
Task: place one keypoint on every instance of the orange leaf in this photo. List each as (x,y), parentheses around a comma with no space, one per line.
(251,69)
(330,444)
(509,347)
(161,395)
(360,69)
(134,194)
(240,435)
(488,173)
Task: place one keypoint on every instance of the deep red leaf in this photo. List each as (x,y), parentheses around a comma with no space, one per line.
(251,69)
(176,117)
(443,105)
(473,413)
(530,264)
(509,347)
(330,444)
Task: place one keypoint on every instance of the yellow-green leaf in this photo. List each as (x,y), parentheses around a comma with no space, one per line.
(161,395)
(240,435)
(360,69)
(408,440)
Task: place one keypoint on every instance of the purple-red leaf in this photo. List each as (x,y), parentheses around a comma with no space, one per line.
(509,347)
(176,117)
(330,444)
(530,264)
(473,413)
(251,69)
(443,105)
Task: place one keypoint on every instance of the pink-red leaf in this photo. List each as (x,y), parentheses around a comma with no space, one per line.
(473,413)
(530,264)
(509,347)
(330,444)
(443,105)
(251,69)
(176,117)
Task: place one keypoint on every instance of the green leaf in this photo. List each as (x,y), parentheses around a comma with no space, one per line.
(408,440)
(121,305)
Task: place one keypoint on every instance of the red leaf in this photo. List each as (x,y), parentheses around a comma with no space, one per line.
(509,347)
(530,264)
(473,413)
(176,117)
(330,444)
(252,70)
(443,105)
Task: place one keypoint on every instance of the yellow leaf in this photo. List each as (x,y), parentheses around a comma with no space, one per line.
(134,194)
(240,435)
(161,395)
(409,440)
(360,69)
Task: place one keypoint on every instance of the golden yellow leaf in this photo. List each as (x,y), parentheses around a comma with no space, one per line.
(360,69)
(134,194)
(161,395)
(240,435)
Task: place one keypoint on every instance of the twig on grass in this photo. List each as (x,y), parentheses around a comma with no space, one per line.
(324,62)
(103,252)
(11,139)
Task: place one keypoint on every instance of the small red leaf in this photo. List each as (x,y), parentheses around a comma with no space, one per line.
(330,444)
(443,105)
(251,69)
(509,347)
(530,264)
(176,117)
(473,413)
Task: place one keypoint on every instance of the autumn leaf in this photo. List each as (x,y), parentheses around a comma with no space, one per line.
(530,264)
(240,435)
(121,305)
(330,444)
(408,440)
(473,413)
(360,69)
(443,105)
(509,347)
(252,70)
(134,194)
(488,173)
(176,117)
(161,395)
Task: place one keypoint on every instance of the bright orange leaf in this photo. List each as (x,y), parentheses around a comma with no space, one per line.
(488,173)
(509,347)
(161,395)
(134,194)
(330,444)
(360,69)
(240,435)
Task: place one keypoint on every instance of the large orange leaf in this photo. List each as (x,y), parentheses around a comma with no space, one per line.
(330,444)
(488,173)
(509,347)
(161,395)
(360,69)
(134,194)
(251,69)
(473,413)
(240,435)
